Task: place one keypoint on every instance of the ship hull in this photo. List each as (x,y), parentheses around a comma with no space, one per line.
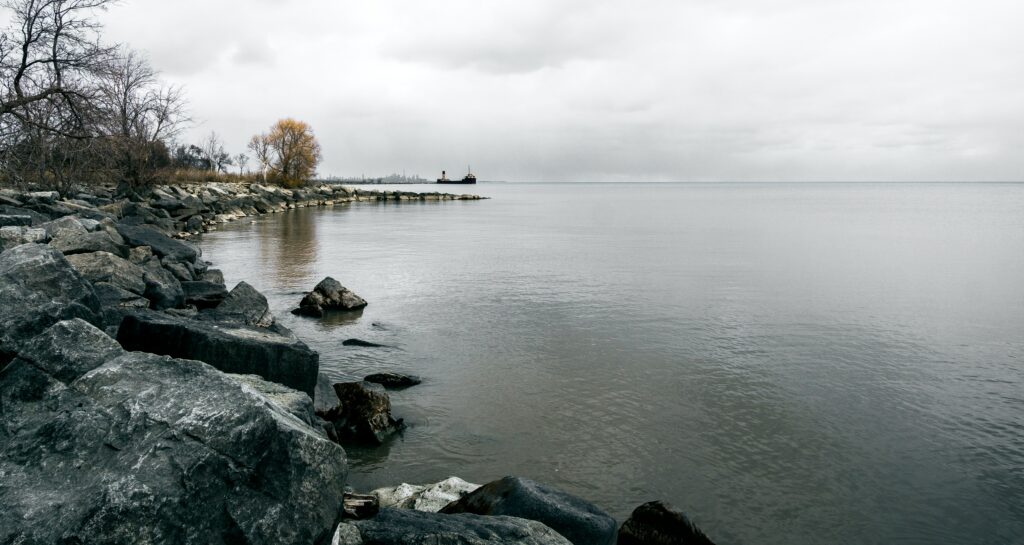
(456,181)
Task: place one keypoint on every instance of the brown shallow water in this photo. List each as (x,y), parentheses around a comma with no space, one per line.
(789,363)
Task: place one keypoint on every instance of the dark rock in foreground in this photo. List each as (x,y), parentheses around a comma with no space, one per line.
(162,245)
(578,520)
(38,288)
(360,342)
(393,380)
(150,449)
(232,348)
(362,415)
(405,527)
(657,523)
(329,294)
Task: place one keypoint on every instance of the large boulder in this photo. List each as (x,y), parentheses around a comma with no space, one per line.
(578,520)
(329,294)
(38,287)
(243,304)
(107,267)
(161,244)
(14,236)
(74,242)
(405,527)
(658,523)
(232,348)
(162,289)
(363,414)
(430,498)
(149,449)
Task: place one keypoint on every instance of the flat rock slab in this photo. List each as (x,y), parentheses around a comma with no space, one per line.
(232,348)
(204,294)
(150,449)
(580,521)
(405,527)
(162,245)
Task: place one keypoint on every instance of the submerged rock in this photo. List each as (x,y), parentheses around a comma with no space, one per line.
(360,342)
(429,498)
(393,380)
(232,348)
(578,520)
(658,523)
(329,294)
(363,414)
(149,449)
(405,527)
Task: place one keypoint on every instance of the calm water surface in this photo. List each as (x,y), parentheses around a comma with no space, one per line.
(789,363)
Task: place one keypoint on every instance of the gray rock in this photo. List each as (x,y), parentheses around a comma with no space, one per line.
(204,294)
(66,225)
(16,221)
(324,398)
(149,449)
(329,294)
(393,380)
(38,287)
(363,414)
(179,270)
(71,243)
(294,402)
(161,244)
(162,289)
(578,520)
(107,267)
(113,296)
(70,349)
(140,254)
(429,498)
(213,275)
(243,304)
(232,348)
(195,224)
(405,527)
(11,236)
(658,523)
(48,197)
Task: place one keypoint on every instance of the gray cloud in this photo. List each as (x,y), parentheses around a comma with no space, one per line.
(609,90)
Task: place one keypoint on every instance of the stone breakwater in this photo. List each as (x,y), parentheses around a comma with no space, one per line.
(142,401)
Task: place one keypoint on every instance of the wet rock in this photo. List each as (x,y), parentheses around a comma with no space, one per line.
(161,244)
(579,521)
(658,523)
(393,380)
(107,267)
(360,342)
(150,449)
(71,243)
(243,304)
(406,527)
(329,294)
(362,415)
(204,294)
(195,224)
(429,498)
(324,398)
(232,348)
(38,287)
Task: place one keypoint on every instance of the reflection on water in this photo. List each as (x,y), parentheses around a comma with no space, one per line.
(792,364)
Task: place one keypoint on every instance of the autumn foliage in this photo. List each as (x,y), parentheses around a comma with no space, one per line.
(288,154)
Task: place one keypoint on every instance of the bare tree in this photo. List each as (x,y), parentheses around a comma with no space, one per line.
(241,160)
(140,114)
(213,149)
(260,147)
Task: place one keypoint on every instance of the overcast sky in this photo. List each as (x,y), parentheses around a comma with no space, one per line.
(574,90)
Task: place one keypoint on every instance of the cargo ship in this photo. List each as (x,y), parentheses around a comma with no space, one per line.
(469,178)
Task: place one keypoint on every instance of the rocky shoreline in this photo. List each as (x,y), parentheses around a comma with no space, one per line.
(142,401)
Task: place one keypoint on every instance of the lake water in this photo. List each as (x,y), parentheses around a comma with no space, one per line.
(788,363)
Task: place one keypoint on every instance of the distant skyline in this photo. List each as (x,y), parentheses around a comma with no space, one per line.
(573,90)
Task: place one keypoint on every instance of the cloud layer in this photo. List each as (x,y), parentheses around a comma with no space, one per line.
(609,90)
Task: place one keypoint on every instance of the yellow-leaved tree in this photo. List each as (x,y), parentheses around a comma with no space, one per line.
(288,154)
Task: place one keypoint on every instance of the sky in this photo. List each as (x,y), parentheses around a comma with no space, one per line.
(598,90)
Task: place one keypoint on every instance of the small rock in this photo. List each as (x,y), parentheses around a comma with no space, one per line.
(578,520)
(360,506)
(363,414)
(360,342)
(393,380)
(329,294)
(428,498)
(658,523)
